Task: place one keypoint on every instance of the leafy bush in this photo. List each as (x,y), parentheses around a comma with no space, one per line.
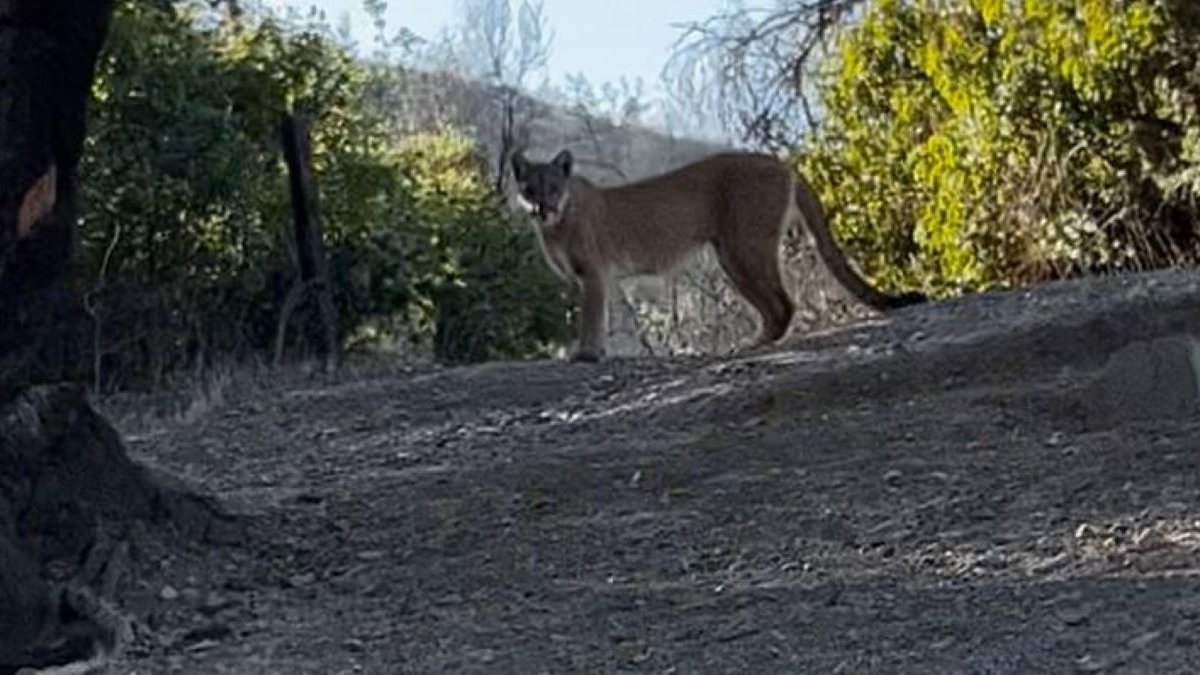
(490,294)
(976,143)
(185,214)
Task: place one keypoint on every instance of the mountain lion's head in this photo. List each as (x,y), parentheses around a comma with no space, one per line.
(543,186)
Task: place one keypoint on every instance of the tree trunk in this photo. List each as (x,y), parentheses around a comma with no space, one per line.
(66,484)
(508,122)
(68,496)
(48,52)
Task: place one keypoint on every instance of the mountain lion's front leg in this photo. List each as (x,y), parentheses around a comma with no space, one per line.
(592,318)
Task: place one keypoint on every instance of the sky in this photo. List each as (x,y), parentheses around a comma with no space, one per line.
(603,39)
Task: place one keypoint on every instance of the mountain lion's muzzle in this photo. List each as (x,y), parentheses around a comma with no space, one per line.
(548,214)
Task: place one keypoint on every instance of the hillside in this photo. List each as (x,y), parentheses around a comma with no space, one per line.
(1002,483)
(607,152)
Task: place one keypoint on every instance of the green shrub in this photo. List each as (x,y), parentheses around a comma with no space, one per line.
(490,295)
(184,247)
(968,144)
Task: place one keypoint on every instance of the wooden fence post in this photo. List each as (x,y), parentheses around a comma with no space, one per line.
(310,251)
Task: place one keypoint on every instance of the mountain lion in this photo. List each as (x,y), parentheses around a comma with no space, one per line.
(739,203)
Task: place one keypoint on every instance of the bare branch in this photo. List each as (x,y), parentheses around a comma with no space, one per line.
(504,50)
(754,66)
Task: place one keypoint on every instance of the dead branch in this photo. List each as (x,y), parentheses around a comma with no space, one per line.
(754,66)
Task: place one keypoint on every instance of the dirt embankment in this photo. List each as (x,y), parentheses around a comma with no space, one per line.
(975,486)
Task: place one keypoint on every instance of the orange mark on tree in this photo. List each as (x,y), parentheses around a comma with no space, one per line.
(39,201)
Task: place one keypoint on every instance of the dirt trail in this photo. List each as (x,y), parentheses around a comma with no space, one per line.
(933,493)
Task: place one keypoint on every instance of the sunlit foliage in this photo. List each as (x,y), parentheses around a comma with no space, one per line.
(966,144)
(184,252)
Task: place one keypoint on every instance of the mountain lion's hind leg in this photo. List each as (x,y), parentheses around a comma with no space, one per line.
(754,271)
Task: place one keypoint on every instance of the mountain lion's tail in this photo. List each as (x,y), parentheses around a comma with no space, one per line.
(814,217)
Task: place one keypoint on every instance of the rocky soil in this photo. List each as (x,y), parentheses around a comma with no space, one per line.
(1007,483)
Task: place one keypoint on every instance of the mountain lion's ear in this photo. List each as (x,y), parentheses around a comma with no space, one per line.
(563,161)
(520,165)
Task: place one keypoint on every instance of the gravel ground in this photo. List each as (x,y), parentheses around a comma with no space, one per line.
(966,487)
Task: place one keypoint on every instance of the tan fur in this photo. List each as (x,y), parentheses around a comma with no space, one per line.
(740,204)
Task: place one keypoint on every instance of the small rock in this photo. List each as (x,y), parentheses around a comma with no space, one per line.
(450,599)
(1144,639)
(203,646)
(756,421)
(213,632)
(893,477)
(301,580)
(1074,616)
(354,645)
(984,513)
(943,643)
(991,562)
(1050,564)
(214,603)
(168,593)
(371,556)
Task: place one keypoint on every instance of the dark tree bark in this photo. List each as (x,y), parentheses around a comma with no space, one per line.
(68,496)
(310,250)
(67,486)
(48,51)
